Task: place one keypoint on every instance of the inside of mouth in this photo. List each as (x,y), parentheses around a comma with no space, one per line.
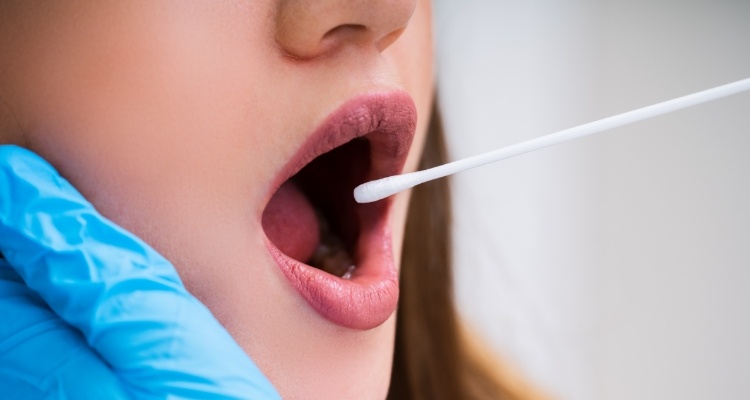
(313,217)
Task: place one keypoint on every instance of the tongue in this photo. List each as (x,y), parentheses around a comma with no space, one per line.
(290,223)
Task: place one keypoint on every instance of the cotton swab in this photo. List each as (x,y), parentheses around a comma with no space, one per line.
(385,187)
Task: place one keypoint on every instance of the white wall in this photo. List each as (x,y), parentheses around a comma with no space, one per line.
(614,267)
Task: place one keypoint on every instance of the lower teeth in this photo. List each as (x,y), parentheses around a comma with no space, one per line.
(331,255)
(348,274)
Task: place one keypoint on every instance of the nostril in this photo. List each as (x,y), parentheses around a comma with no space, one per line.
(346,30)
(307,29)
(335,38)
(347,34)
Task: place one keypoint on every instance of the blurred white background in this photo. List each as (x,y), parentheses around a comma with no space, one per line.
(618,266)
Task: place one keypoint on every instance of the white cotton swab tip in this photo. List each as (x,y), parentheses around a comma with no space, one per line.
(385,187)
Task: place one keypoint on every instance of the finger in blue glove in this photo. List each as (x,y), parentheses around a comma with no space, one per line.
(41,356)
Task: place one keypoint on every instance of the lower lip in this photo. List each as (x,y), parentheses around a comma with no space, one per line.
(369,297)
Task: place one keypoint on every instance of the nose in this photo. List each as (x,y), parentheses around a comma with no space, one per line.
(310,28)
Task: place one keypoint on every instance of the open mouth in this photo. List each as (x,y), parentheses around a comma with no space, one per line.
(334,251)
(311,218)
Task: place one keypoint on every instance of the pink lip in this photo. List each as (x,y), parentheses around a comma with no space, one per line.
(370,297)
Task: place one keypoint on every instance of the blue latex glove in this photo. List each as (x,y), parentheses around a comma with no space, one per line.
(89,311)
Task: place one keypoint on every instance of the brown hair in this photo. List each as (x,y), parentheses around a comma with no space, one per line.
(435,357)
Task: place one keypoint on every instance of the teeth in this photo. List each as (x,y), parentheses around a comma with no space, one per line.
(348,274)
(331,255)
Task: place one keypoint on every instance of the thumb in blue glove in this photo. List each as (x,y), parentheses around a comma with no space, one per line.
(90,311)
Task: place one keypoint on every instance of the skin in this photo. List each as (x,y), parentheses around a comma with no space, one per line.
(172,117)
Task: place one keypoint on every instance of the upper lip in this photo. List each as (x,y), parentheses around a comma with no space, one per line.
(370,297)
(392,116)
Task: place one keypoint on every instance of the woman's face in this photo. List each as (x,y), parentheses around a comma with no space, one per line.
(186,122)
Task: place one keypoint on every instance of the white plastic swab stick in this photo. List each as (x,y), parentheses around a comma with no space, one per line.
(382,188)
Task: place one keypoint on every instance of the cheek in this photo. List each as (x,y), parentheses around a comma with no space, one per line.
(156,121)
(150,102)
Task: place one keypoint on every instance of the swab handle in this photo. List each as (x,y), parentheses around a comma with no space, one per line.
(382,188)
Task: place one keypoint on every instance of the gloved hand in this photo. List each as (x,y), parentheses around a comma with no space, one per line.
(89,311)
